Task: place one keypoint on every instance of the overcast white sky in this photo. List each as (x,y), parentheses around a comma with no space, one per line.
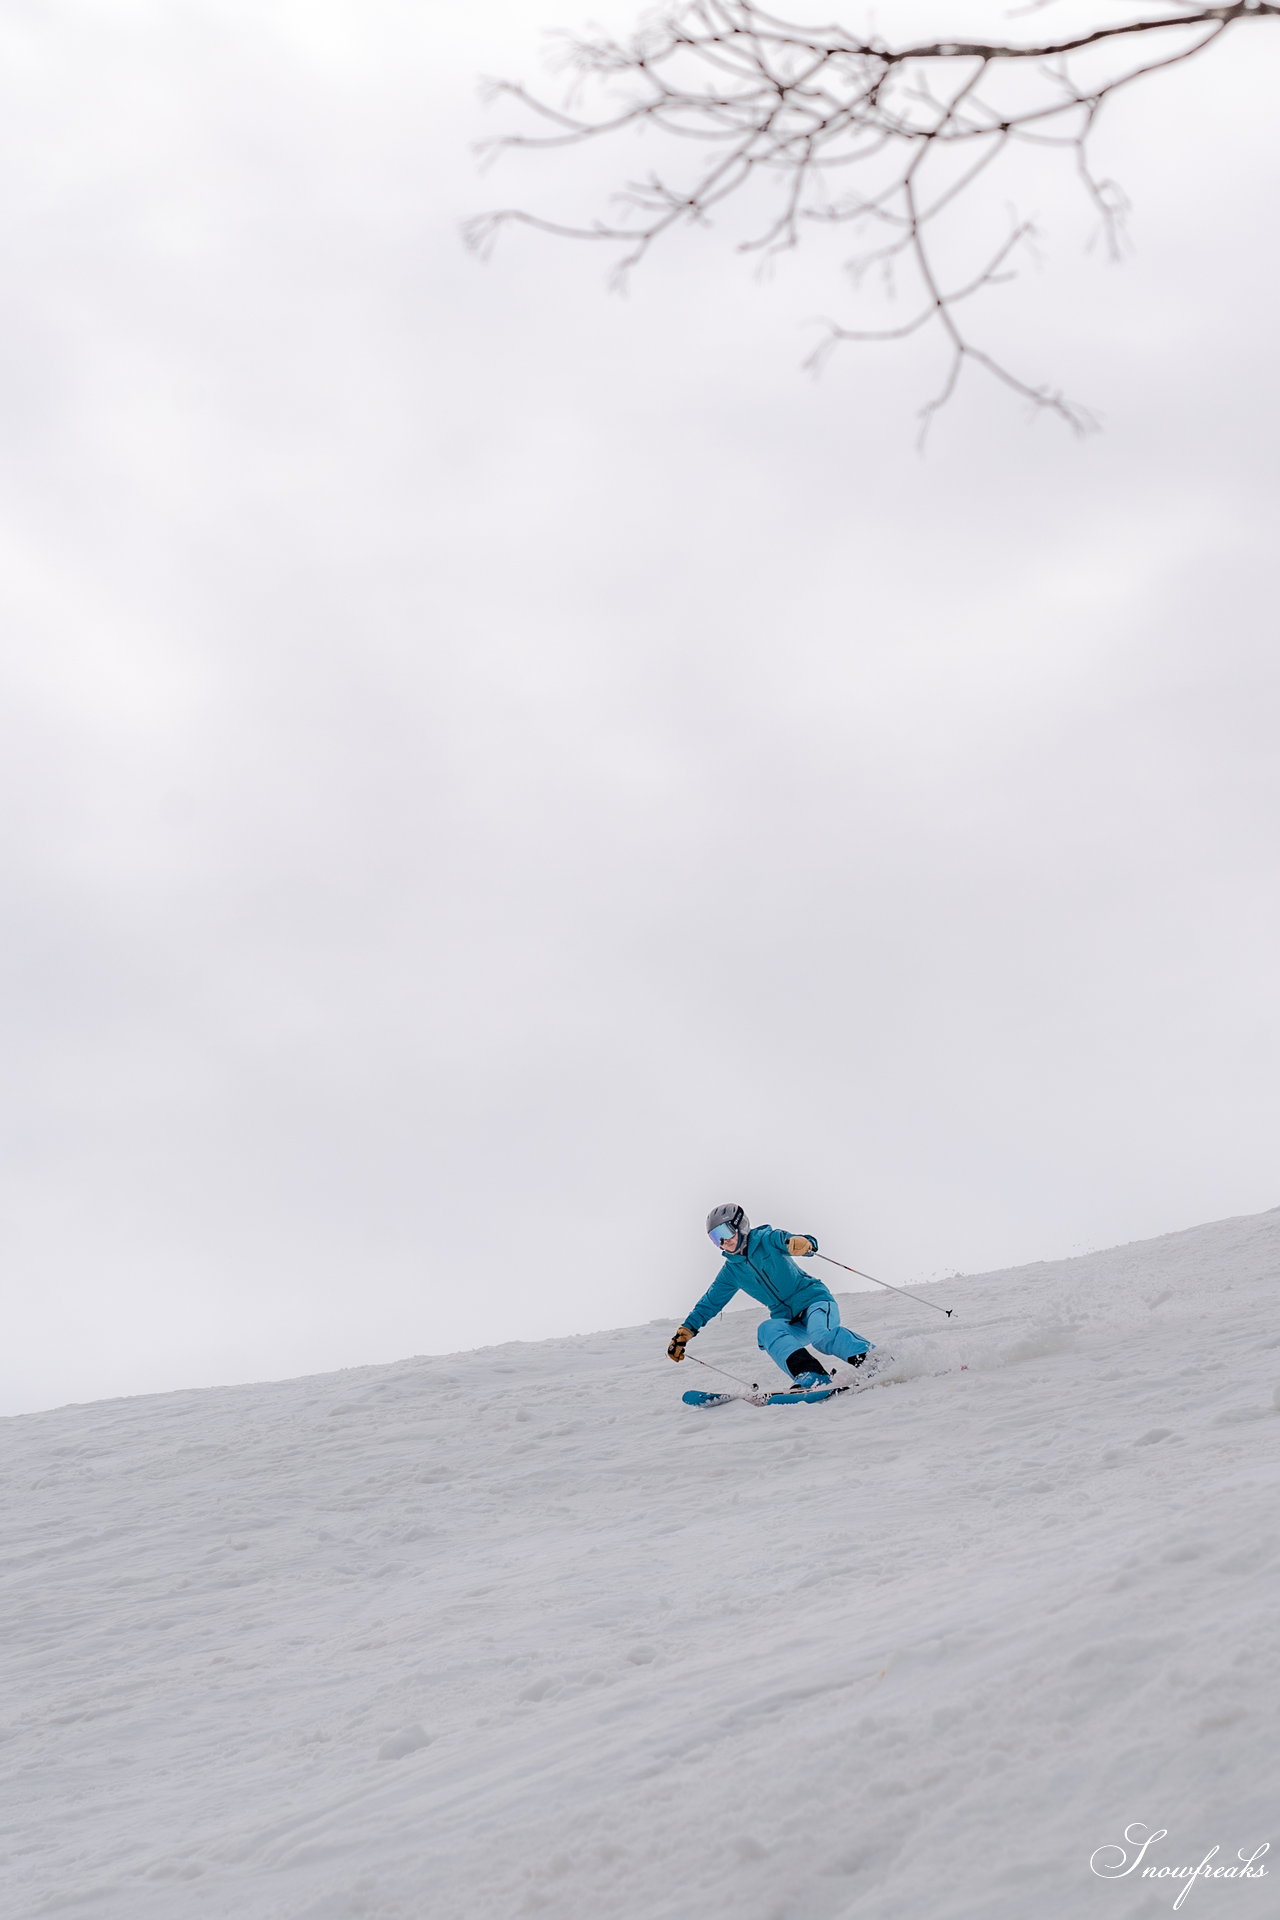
(491,769)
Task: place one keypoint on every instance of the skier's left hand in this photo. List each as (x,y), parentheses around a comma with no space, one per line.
(799,1245)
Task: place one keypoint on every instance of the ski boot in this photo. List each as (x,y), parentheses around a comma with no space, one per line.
(805,1371)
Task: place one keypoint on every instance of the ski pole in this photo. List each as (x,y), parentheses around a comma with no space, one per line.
(728,1376)
(885,1283)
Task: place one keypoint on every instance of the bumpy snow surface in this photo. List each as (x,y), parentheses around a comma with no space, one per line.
(515,1632)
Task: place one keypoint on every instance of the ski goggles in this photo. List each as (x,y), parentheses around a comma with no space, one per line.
(719,1235)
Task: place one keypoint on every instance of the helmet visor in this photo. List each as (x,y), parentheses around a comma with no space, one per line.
(724,1232)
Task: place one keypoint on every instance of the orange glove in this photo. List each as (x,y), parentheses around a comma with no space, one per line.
(799,1245)
(679,1341)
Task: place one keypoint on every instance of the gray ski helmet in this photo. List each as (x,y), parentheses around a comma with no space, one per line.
(728,1216)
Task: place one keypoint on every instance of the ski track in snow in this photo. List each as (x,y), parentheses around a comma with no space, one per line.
(515,1632)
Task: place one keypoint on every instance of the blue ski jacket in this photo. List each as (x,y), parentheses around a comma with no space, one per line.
(766,1271)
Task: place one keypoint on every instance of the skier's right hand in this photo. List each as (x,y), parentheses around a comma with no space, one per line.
(679,1341)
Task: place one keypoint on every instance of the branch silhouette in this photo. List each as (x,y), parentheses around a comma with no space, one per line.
(845,129)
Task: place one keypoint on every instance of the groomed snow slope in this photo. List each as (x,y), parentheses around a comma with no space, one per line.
(514,1632)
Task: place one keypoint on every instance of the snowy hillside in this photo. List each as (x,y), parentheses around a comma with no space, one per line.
(515,1632)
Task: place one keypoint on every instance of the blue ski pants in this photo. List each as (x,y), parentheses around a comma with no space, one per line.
(819,1326)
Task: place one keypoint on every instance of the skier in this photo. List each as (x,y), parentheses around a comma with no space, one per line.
(761,1261)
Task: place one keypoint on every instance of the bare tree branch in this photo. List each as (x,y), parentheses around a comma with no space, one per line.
(795,109)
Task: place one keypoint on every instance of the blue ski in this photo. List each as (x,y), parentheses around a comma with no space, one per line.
(846,1381)
(695,1399)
